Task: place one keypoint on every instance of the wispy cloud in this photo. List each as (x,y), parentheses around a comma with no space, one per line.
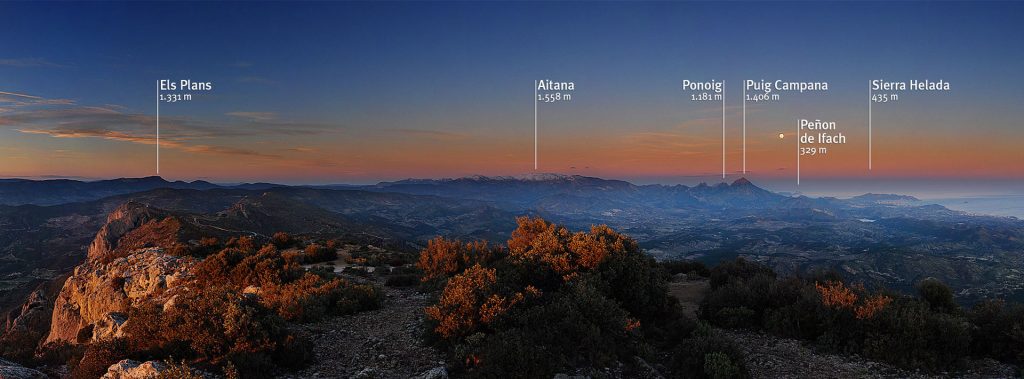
(29,62)
(63,118)
(147,140)
(434,134)
(96,133)
(258,116)
(70,117)
(11,101)
(20,95)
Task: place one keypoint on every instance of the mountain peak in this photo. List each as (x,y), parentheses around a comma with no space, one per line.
(741,182)
(542,176)
(153,179)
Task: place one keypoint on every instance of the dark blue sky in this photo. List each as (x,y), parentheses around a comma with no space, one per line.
(455,78)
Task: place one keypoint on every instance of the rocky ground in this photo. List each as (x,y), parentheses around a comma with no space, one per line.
(384,343)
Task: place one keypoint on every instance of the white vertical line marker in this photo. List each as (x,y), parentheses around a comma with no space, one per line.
(723,129)
(535,125)
(870,93)
(744,129)
(158,127)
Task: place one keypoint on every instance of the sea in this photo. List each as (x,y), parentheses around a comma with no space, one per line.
(992,205)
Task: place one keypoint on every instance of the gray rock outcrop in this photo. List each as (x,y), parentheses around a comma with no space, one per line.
(130,369)
(11,370)
(96,299)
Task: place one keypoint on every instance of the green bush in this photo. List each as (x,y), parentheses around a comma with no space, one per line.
(718,365)
(998,330)
(737,269)
(910,334)
(580,327)
(706,355)
(938,296)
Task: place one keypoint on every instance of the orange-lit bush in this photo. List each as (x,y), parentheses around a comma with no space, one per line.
(282,284)
(443,258)
(872,305)
(536,240)
(554,299)
(834,294)
(459,310)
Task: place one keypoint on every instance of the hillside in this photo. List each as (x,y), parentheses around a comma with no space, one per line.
(77,273)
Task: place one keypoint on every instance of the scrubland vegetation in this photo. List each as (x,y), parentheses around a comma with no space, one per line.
(552,301)
(929,331)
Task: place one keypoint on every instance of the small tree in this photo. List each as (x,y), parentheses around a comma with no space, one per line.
(938,295)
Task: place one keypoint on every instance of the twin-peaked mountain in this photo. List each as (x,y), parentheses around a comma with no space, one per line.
(580,194)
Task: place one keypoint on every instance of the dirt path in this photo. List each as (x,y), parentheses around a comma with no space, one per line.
(383,343)
(690,293)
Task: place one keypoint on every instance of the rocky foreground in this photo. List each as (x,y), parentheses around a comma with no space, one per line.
(123,270)
(383,343)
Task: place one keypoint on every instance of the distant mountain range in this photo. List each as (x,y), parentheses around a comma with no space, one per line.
(46,226)
(62,191)
(582,195)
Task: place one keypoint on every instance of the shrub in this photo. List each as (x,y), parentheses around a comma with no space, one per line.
(938,296)
(706,355)
(718,365)
(443,258)
(178,370)
(244,243)
(552,301)
(998,330)
(834,294)
(737,269)
(579,327)
(216,325)
(358,297)
(314,253)
(282,240)
(284,286)
(927,333)
(909,334)
(460,309)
